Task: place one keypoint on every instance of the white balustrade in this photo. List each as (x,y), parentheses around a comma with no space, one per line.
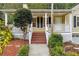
(60,28)
(30,33)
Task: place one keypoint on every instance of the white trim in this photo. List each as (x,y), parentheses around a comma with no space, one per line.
(25,6)
(46,21)
(6,20)
(71,22)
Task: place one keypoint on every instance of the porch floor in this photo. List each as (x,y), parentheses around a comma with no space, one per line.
(12,48)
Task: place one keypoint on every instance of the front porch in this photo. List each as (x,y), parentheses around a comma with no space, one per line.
(43,22)
(61,22)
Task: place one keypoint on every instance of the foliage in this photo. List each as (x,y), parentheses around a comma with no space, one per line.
(57,51)
(71,54)
(1,50)
(1,22)
(55,44)
(55,40)
(24,50)
(5,36)
(10,18)
(22,18)
(10,5)
(2,16)
(39,5)
(64,5)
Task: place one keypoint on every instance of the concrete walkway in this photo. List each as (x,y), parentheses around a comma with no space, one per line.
(38,50)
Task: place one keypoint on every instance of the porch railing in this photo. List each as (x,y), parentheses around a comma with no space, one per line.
(61,28)
(30,33)
(47,32)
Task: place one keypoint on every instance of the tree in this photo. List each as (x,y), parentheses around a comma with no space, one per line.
(2,16)
(38,5)
(23,17)
(64,5)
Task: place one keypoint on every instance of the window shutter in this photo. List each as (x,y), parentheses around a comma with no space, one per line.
(74,21)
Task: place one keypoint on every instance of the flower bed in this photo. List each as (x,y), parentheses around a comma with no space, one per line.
(70,50)
(24,50)
(5,36)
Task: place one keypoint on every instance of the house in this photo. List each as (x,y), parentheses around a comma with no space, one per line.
(46,21)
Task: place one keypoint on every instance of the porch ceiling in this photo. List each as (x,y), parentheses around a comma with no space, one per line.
(59,14)
(55,14)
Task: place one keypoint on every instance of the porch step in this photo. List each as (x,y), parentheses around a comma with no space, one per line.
(38,42)
(38,38)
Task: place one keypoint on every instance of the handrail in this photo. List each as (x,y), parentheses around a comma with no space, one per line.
(30,33)
(47,33)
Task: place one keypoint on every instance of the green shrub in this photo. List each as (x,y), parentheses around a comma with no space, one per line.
(71,54)
(5,35)
(24,50)
(2,22)
(55,40)
(1,50)
(57,51)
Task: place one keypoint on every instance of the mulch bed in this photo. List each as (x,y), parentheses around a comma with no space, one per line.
(70,47)
(12,48)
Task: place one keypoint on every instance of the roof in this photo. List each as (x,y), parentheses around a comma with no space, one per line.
(76,7)
(40,10)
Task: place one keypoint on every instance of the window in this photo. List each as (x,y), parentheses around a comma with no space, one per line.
(77,21)
(49,20)
(75,35)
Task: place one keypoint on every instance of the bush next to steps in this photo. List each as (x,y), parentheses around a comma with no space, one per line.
(5,35)
(56,51)
(55,40)
(24,50)
(55,44)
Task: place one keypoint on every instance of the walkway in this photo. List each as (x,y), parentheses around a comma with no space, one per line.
(12,48)
(38,50)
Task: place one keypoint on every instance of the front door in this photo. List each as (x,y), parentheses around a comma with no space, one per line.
(58,20)
(58,24)
(39,22)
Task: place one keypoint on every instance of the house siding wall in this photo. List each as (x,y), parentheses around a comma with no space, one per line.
(75,13)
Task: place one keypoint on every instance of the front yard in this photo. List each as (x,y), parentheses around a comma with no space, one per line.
(14,47)
(71,49)
(58,48)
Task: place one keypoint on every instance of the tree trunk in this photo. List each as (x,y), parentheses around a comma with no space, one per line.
(24,35)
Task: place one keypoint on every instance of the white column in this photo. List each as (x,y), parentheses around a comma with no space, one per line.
(71,22)
(6,20)
(52,17)
(46,28)
(46,21)
(25,6)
